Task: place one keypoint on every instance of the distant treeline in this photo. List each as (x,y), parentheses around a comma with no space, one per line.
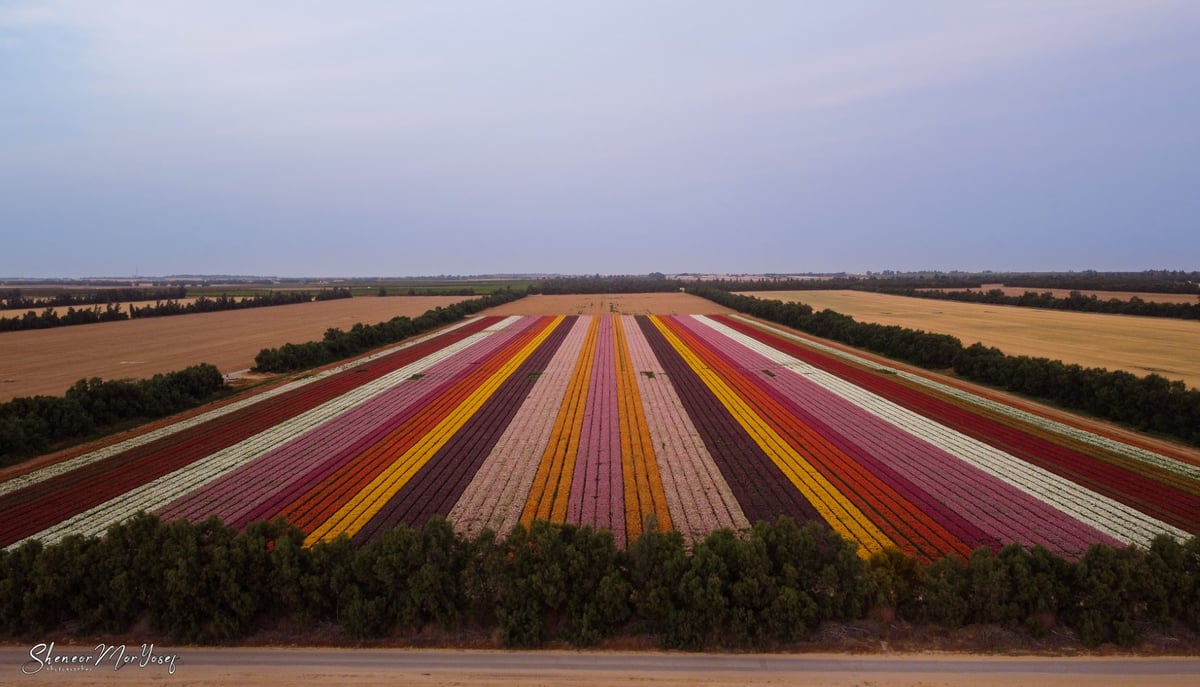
(426,291)
(14,299)
(30,425)
(934,351)
(338,344)
(772,586)
(653,283)
(225,302)
(1151,403)
(1151,281)
(1076,302)
(1157,281)
(49,318)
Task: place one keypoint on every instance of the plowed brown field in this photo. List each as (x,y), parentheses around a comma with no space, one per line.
(1139,344)
(49,361)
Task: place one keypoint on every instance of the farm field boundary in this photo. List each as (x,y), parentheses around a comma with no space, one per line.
(1140,345)
(776,426)
(47,362)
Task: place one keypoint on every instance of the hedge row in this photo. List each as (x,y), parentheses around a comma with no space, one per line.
(205,582)
(15,299)
(29,425)
(338,345)
(910,345)
(1150,403)
(49,318)
(1074,302)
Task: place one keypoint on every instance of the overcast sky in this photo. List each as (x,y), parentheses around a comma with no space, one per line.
(414,138)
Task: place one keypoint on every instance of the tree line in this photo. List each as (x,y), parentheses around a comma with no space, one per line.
(339,345)
(30,425)
(933,351)
(15,299)
(1150,403)
(772,585)
(1152,281)
(49,318)
(653,283)
(1074,302)
(33,425)
(227,302)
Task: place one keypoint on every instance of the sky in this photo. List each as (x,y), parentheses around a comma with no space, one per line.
(618,137)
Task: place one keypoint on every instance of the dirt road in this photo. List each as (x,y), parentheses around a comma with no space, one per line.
(252,667)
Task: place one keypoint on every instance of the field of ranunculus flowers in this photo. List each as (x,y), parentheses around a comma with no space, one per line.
(703,422)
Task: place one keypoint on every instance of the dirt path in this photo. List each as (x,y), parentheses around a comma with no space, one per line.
(257,667)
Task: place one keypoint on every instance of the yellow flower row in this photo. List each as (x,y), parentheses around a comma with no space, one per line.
(843,516)
(644,492)
(551,490)
(356,512)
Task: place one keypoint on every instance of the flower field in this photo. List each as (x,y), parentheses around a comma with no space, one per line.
(704,422)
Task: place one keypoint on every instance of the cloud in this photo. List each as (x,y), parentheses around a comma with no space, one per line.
(396,66)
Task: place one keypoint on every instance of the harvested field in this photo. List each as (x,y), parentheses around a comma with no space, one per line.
(48,361)
(1102,295)
(611,304)
(1138,344)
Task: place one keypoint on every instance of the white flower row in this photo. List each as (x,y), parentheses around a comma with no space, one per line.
(161,491)
(77,462)
(496,496)
(363,506)
(1127,450)
(240,491)
(1105,514)
(698,497)
(944,479)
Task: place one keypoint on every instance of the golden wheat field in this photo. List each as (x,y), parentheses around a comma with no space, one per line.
(48,361)
(1102,295)
(1138,344)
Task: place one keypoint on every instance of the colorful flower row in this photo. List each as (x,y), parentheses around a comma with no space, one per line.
(701,422)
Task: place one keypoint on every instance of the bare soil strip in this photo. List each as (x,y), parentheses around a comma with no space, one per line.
(49,361)
(1140,345)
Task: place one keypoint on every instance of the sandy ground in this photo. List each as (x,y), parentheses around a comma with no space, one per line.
(49,361)
(370,667)
(1139,344)
(612,303)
